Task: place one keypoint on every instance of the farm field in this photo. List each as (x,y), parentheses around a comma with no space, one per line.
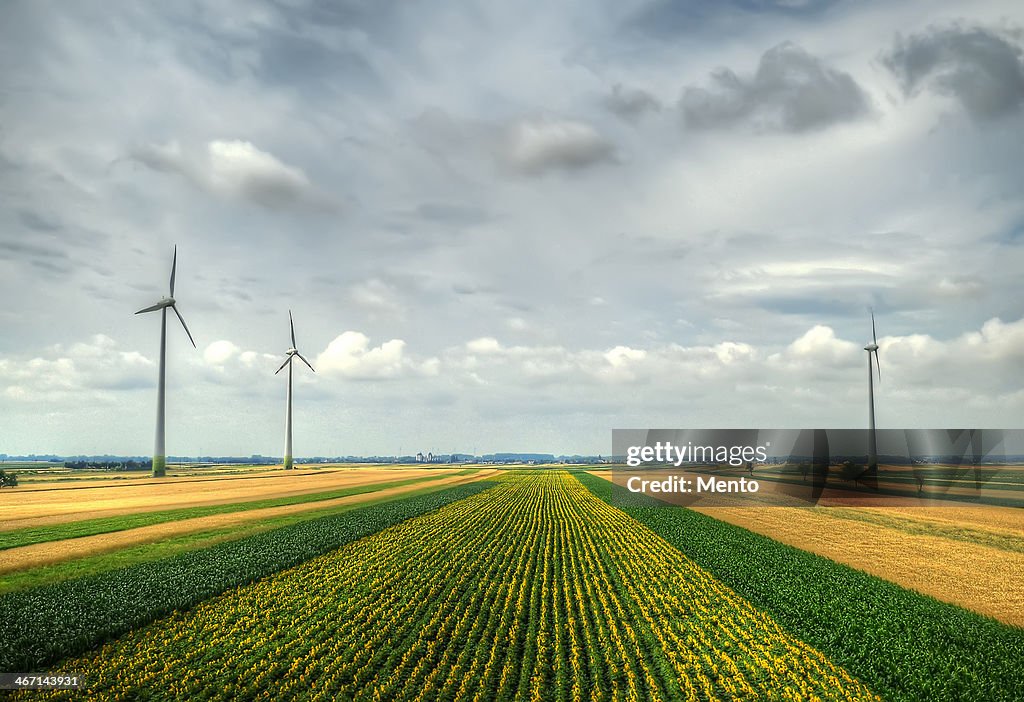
(36,629)
(967,574)
(534,584)
(49,552)
(965,555)
(906,645)
(60,502)
(535,589)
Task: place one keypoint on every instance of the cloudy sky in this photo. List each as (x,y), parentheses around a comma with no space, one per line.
(506,227)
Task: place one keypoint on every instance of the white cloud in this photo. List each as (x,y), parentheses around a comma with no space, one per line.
(736,378)
(623,355)
(219,352)
(239,169)
(485,344)
(77,374)
(819,346)
(350,355)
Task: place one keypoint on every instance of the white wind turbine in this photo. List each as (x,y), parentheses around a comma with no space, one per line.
(872,348)
(159,456)
(291,353)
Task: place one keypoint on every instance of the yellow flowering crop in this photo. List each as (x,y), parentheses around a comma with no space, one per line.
(534,590)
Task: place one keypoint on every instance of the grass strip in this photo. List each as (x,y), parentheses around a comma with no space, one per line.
(40,626)
(106,525)
(904,645)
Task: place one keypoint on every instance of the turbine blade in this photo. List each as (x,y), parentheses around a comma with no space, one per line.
(286,362)
(174,268)
(182,320)
(305,361)
(153,308)
(874,338)
(292,323)
(878,366)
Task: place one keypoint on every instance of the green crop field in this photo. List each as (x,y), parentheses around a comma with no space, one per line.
(540,585)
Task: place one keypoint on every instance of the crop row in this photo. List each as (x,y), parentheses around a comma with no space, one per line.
(40,626)
(905,645)
(533,590)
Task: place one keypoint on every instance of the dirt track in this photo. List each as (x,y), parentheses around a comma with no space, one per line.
(55,504)
(34,555)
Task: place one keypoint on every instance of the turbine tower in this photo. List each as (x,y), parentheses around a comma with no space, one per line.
(159,455)
(291,353)
(872,348)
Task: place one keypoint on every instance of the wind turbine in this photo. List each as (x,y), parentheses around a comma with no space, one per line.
(159,456)
(872,348)
(291,353)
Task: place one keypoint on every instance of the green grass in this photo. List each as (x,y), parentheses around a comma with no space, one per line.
(904,645)
(42,625)
(106,525)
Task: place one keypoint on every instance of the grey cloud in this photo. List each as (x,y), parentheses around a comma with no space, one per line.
(631,103)
(460,289)
(305,64)
(525,146)
(447,213)
(237,170)
(34,220)
(376,19)
(164,158)
(828,306)
(670,19)
(50,266)
(979,67)
(17,249)
(791,91)
(536,147)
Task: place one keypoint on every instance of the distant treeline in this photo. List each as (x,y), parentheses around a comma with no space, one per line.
(146,464)
(112,462)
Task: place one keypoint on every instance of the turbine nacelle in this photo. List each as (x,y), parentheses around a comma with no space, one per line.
(872,348)
(293,352)
(169,301)
(163,302)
